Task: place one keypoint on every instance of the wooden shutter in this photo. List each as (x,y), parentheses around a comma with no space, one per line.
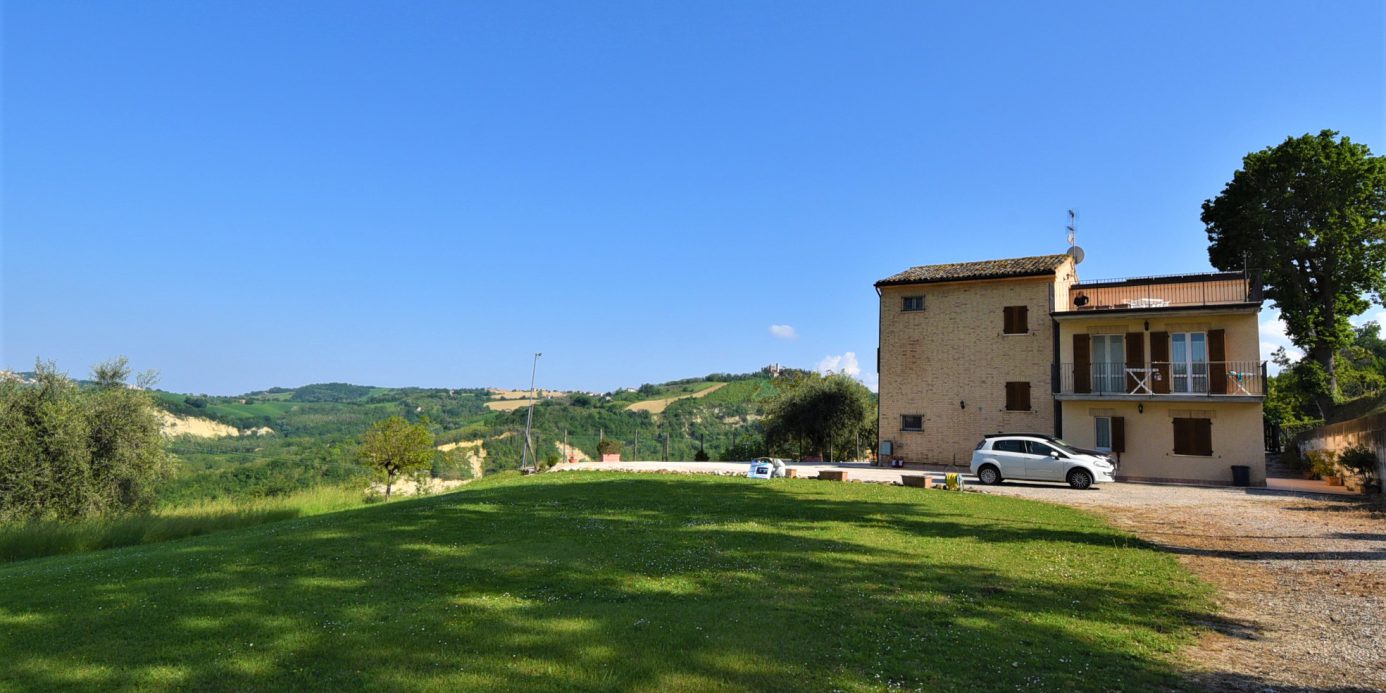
(1182,442)
(1202,432)
(1135,357)
(1018,396)
(1118,434)
(1082,364)
(1217,362)
(1159,359)
(1008,319)
(1021,319)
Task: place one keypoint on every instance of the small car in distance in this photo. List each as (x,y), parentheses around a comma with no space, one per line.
(1035,457)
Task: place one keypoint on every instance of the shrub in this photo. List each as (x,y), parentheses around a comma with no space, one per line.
(553,459)
(609,446)
(1323,462)
(1360,459)
(700,456)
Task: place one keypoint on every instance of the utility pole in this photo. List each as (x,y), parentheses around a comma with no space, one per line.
(527,456)
(636,452)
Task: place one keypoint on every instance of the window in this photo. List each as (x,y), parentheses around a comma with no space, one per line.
(1108,363)
(1016,320)
(1104,433)
(1193,437)
(1190,361)
(1038,448)
(1018,396)
(911,422)
(913,303)
(1009,446)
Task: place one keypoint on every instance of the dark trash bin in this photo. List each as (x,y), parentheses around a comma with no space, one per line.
(1241,475)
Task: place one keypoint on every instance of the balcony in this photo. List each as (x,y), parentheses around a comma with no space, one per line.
(1170,292)
(1230,380)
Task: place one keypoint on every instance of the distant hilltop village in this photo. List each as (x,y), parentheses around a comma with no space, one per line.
(14,377)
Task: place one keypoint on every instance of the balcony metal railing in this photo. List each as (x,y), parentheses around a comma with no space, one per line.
(1165,292)
(1158,378)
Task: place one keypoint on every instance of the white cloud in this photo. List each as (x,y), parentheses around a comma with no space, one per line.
(784,331)
(843,363)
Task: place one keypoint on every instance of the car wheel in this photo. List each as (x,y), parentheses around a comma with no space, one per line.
(989,475)
(1079,479)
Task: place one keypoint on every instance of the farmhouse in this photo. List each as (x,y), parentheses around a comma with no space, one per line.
(1165,372)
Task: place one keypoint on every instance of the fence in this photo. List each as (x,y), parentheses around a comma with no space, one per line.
(1368,431)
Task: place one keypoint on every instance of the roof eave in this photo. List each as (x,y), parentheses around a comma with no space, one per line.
(978,278)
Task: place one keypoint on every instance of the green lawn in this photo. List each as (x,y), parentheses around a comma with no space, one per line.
(617,582)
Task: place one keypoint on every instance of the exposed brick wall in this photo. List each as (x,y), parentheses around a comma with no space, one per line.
(950,363)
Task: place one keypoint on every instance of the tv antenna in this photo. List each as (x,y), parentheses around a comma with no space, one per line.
(1073,249)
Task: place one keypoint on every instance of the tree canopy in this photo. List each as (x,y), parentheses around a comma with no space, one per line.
(1310,215)
(394,446)
(820,413)
(68,452)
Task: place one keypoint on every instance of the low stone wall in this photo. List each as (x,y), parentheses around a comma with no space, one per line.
(1369,431)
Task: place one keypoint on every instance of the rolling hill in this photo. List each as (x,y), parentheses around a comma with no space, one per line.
(307,435)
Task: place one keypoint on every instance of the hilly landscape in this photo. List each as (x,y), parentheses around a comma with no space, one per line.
(283,440)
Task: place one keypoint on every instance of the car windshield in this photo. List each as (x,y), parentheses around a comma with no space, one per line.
(1064,447)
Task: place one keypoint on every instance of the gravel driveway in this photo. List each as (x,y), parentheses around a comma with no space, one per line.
(1302,579)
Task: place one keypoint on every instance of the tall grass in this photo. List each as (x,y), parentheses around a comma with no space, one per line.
(49,538)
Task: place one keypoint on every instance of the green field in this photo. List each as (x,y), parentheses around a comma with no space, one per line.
(616,582)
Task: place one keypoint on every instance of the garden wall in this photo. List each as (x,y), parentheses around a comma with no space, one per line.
(1368,430)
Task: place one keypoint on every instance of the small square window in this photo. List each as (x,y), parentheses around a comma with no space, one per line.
(912,422)
(913,303)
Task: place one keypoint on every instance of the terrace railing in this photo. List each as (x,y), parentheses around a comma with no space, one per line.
(1165,292)
(1159,378)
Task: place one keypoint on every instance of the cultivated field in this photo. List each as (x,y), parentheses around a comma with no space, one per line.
(617,582)
(657,406)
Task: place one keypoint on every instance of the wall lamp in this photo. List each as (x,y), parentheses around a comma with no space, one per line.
(962,404)
(1140,408)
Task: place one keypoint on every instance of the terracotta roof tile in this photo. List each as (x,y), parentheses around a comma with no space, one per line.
(986,269)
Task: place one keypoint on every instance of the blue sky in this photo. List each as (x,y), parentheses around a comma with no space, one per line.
(250,194)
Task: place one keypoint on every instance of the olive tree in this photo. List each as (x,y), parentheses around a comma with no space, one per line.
(820,413)
(68,452)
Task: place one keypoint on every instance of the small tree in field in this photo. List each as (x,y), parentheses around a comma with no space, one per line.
(395,446)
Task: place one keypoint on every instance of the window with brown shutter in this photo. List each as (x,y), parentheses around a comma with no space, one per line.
(1193,437)
(1082,363)
(1017,396)
(1016,320)
(1118,434)
(1217,362)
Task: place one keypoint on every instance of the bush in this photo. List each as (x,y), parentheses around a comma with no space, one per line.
(1361,460)
(700,456)
(609,446)
(1323,462)
(74,452)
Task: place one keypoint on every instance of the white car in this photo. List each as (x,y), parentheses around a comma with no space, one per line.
(1037,457)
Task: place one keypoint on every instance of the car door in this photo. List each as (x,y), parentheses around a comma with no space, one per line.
(1010,454)
(1040,463)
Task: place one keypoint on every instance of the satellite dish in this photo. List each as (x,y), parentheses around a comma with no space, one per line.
(1077,253)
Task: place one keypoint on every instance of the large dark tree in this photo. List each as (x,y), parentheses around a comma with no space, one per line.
(821,414)
(1310,215)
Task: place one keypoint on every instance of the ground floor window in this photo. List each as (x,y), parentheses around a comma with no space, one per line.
(911,422)
(1193,437)
(1104,433)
